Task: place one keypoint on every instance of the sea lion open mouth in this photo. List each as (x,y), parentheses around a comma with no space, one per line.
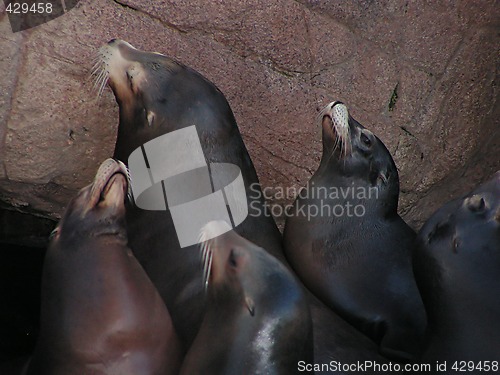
(110,186)
(104,198)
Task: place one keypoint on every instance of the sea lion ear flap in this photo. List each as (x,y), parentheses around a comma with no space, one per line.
(151,118)
(250,305)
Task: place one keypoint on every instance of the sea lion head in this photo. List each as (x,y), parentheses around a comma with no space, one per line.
(257,303)
(99,208)
(136,78)
(354,151)
(157,95)
(236,266)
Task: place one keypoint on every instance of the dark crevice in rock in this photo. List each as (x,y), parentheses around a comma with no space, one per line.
(286,161)
(177,28)
(403,128)
(394,98)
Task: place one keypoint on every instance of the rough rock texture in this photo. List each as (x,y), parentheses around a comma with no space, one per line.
(421,75)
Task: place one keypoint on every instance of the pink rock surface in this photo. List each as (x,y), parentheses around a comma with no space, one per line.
(278,63)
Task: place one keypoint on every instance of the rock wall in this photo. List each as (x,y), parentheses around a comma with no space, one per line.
(421,75)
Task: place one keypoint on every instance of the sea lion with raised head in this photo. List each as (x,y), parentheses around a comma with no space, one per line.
(347,243)
(457,266)
(156,96)
(257,319)
(100,314)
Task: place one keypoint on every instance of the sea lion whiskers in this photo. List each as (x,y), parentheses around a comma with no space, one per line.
(341,125)
(102,83)
(99,73)
(206,259)
(207,239)
(95,69)
(206,255)
(130,196)
(341,130)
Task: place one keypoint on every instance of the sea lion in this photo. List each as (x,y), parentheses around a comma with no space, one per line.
(100,314)
(457,266)
(257,319)
(157,95)
(347,243)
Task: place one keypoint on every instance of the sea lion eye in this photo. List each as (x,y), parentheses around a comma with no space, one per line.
(440,230)
(366,140)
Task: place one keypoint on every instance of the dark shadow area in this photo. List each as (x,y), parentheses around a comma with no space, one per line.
(20,280)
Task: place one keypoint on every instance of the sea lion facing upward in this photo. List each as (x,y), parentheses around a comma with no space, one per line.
(457,266)
(156,96)
(358,262)
(100,314)
(257,319)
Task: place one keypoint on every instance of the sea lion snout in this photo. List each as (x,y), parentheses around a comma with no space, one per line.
(339,116)
(110,185)
(121,44)
(118,63)
(334,120)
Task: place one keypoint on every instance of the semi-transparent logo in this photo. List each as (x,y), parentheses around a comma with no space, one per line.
(170,172)
(25,14)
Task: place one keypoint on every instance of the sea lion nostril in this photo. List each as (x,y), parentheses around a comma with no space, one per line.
(335,103)
(112,41)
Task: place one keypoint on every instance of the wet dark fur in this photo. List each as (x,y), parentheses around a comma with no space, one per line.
(457,265)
